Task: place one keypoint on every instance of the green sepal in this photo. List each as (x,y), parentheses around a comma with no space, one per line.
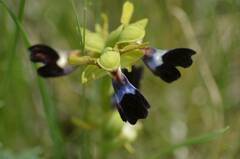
(98,29)
(94,42)
(129,58)
(142,24)
(134,32)
(92,72)
(114,36)
(127,12)
(131,34)
(102,29)
(109,60)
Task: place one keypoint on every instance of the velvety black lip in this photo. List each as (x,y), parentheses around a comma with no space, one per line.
(163,63)
(134,107)
(44,54)
(130,103)
(50,71)
(121,112)
(179,57)
(167,72)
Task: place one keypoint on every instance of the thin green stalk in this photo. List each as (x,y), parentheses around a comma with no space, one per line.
(51,115)
(13,47)
(84,27)
(16,37)
(17,22)
(81,30)
(49,108)
(84,136)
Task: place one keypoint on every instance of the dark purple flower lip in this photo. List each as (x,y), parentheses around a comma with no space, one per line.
(134,76)
(131,104)
(55,64)
(163,63)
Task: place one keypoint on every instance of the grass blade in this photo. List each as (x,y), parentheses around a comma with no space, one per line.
(16,35)
(81,29)
(17,23)
(49,108)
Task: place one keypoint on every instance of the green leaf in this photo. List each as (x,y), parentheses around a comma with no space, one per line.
(141,23)
(109,60)
(92,72)
(94,42)
(134,32)
(129,58)
(131,34)
(127,12)
(81,32)
(114,37)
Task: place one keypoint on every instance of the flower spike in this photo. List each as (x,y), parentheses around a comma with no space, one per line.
(163,63)
(55,64)
(131,104)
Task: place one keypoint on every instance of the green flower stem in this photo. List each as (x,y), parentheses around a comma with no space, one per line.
(16,38)
(17,22)
(51,115)
(13,45)
(49,108)
(81,32)
(82,60)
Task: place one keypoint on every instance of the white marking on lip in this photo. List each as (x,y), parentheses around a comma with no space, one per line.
(63,59)
(156,59)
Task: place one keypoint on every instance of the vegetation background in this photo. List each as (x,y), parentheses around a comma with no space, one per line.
(195,117)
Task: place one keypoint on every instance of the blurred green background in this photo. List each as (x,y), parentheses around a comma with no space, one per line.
(187,118)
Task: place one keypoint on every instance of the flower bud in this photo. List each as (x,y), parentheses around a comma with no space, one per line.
(109,60)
